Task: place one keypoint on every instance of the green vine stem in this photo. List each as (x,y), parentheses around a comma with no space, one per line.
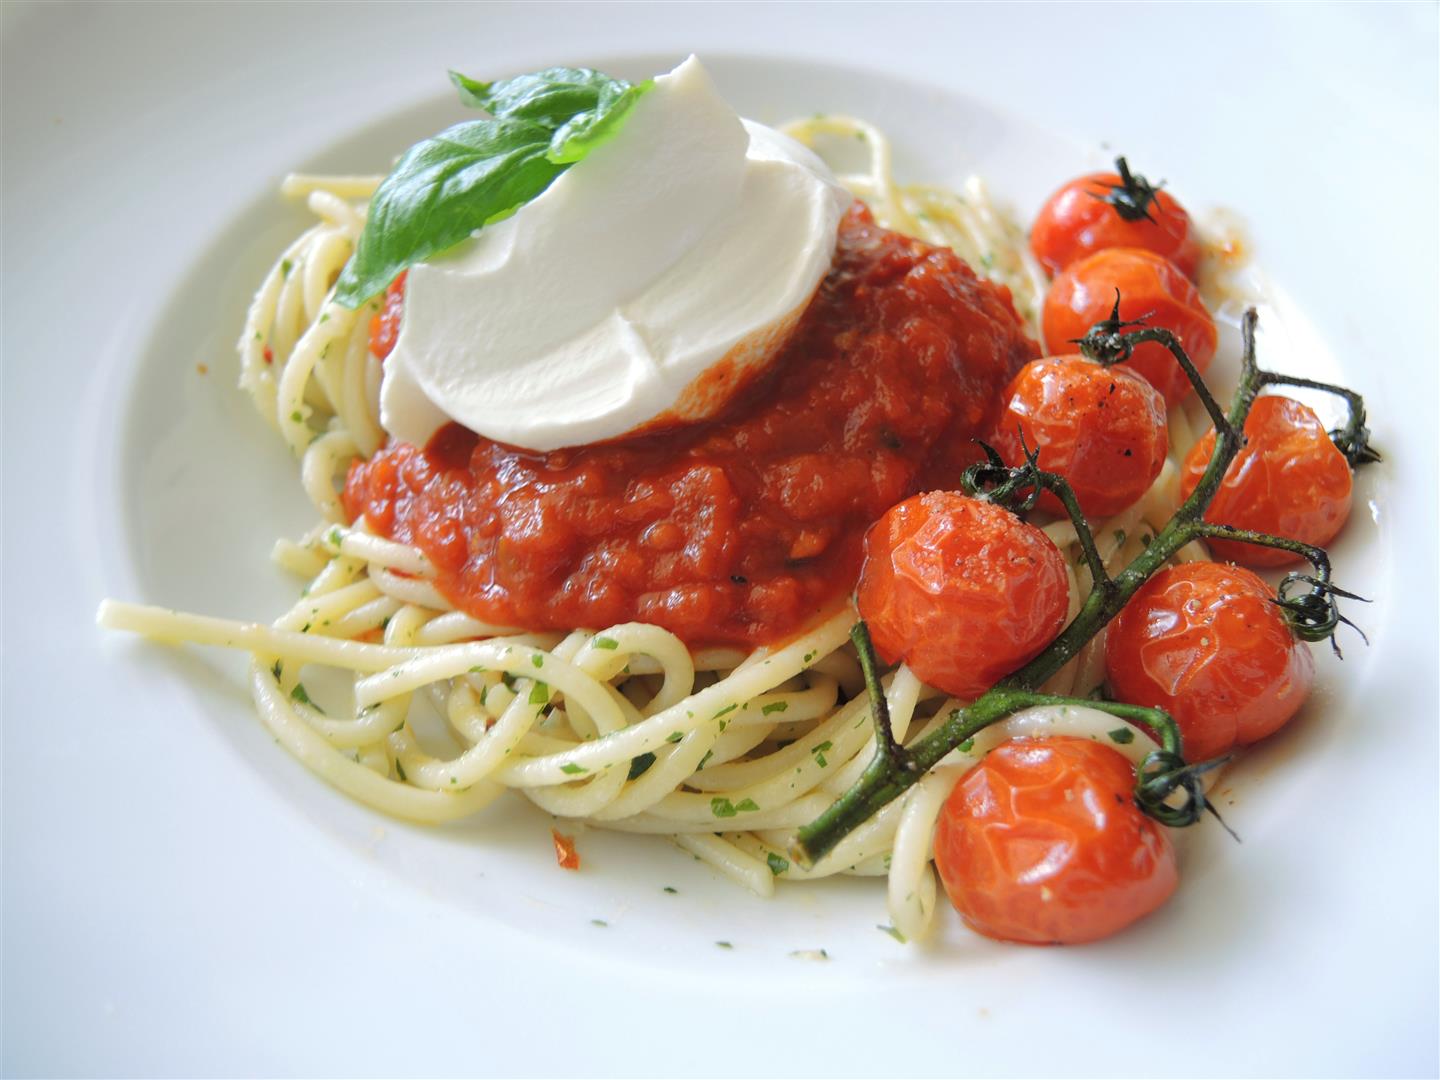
(1313,614)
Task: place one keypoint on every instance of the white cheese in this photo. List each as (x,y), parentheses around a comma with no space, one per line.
(644,284)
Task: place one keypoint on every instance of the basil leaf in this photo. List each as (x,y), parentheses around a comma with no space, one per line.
(442,190)
(550,97)
(585,131)
(480,172)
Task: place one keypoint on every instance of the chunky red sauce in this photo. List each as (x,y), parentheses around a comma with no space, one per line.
(743,529)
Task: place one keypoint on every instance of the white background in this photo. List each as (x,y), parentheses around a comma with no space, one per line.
(164,912)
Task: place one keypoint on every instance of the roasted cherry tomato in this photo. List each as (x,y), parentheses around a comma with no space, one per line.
(1150,287)
(961,590)
(385,327)
(1110,210)
(1102,429)
(1205,642)
(1042,843)
(1289,480)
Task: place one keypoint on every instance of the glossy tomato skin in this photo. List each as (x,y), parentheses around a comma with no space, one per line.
(1074,224)
(1289,480)
(1042,843)
(1102,429)
(1204,642)
(961,590)
(1150,287)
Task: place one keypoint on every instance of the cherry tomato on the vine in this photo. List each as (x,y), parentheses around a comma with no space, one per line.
(1102,210)
(385,327)
(960,589)
(1288,480)
(1042,843)
(1205,642)
(1150,287)
(1102,429)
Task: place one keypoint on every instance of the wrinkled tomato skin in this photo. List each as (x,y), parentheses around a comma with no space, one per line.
(1288,480)
(1073,224)
(961,590)
(1204,642)
(744,529)
(1042,843)
(1102,429)
(1150,287)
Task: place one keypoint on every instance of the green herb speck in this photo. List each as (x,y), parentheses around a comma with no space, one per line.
(778,864)
(1122,735)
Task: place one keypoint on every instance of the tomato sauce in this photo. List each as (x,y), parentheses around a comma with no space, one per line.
(745,528)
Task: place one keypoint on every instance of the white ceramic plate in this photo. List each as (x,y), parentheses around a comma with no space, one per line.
(180,896)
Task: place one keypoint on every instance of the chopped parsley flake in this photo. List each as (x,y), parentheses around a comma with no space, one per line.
(400,771)
(285,267)
(708,755)
(778,864)
(724,944)
(896,934)
(297,417)
(747,805)
(299,694)
(279,666)
(819,752)
(606,643)
(573,770)
(722,807)
(774,707)
(598,922)
(1122,735)
(539,694)
(809,656)
(966,746)
(675,736)
(728,708)
(638,765)
(333,537)
(538,660)
(670,889)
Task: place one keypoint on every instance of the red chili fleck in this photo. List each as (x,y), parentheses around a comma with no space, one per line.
(565,853)
(269,355)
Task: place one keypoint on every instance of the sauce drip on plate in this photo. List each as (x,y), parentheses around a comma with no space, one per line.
(744,529)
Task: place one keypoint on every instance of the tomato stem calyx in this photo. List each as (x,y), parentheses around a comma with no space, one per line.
(1313,615)
(1018,488)
(1131,198)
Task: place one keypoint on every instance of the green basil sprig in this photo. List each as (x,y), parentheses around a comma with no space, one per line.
(478,172)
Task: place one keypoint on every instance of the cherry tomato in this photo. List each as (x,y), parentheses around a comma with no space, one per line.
(1103,429)
(385,327)
(1204,642)
(961,590)
(1084,294)
(1288,480)
(1102,211)
(1042,843)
